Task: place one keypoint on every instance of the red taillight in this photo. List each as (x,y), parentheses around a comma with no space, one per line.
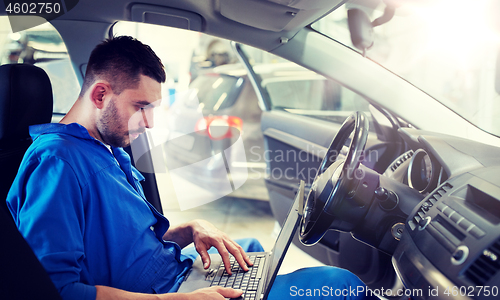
(201,126)
(219,127)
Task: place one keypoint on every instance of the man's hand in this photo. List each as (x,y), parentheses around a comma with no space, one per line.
(215,293)
(205,236)
(211,293)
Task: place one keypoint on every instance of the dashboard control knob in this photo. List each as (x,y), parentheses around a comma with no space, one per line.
(460,255)
(423,223)
(381,193)
(388,200)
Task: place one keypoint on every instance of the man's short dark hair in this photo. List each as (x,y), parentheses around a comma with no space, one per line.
(120,61)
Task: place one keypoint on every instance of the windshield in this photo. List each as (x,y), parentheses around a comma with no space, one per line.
(447,48)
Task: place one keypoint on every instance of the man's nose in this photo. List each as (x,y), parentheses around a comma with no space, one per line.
(148,118)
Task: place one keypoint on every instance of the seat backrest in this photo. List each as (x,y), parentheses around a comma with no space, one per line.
(22,276)
(25,100)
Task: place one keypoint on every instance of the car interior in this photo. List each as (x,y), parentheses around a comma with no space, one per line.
(402,190)
(22,274)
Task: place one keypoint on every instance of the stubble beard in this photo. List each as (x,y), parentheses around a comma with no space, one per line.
(110,127)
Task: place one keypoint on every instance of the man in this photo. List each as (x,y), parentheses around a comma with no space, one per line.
(79,203)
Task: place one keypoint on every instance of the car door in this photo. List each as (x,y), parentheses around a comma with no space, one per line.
(302,112)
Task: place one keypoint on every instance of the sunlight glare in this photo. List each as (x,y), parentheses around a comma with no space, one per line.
(458,28)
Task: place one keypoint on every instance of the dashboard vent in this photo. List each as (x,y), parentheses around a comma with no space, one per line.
(430,202)
(443,189)
(401,159)
(485,266)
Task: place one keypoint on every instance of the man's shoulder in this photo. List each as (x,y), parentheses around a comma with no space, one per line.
(61,145)
(79,152)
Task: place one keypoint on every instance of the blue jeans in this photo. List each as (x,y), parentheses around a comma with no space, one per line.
(309,283)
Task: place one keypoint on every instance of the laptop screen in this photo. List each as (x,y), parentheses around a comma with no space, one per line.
(284,238)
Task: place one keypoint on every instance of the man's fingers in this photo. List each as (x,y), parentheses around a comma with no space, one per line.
(205,236)
(205,257)
(245,256)
(230,293)
(240,255)
(247,259)
(225,257)
(216,292)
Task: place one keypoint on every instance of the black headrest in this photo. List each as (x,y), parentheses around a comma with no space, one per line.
(25,100)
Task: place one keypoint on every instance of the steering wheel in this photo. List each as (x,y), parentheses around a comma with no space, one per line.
(329,204)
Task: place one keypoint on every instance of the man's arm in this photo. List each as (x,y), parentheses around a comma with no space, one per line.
(211,293)
(205,236)
(44,201)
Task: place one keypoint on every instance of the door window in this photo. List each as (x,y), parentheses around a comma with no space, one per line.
(292,88)
(42,46)
(207,128)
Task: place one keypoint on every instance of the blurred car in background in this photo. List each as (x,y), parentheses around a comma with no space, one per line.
(211,53)
(215,139)
(204,127)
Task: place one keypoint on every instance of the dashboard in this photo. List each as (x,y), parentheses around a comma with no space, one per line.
(419,170)
(450,246)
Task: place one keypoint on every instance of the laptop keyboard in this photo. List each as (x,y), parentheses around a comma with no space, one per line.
(246,281)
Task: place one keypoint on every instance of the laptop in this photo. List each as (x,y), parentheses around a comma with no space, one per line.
(256,283)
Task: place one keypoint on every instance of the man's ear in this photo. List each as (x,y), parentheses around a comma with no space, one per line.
(99,92)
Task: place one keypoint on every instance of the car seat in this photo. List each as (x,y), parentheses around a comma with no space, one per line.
(25,100)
